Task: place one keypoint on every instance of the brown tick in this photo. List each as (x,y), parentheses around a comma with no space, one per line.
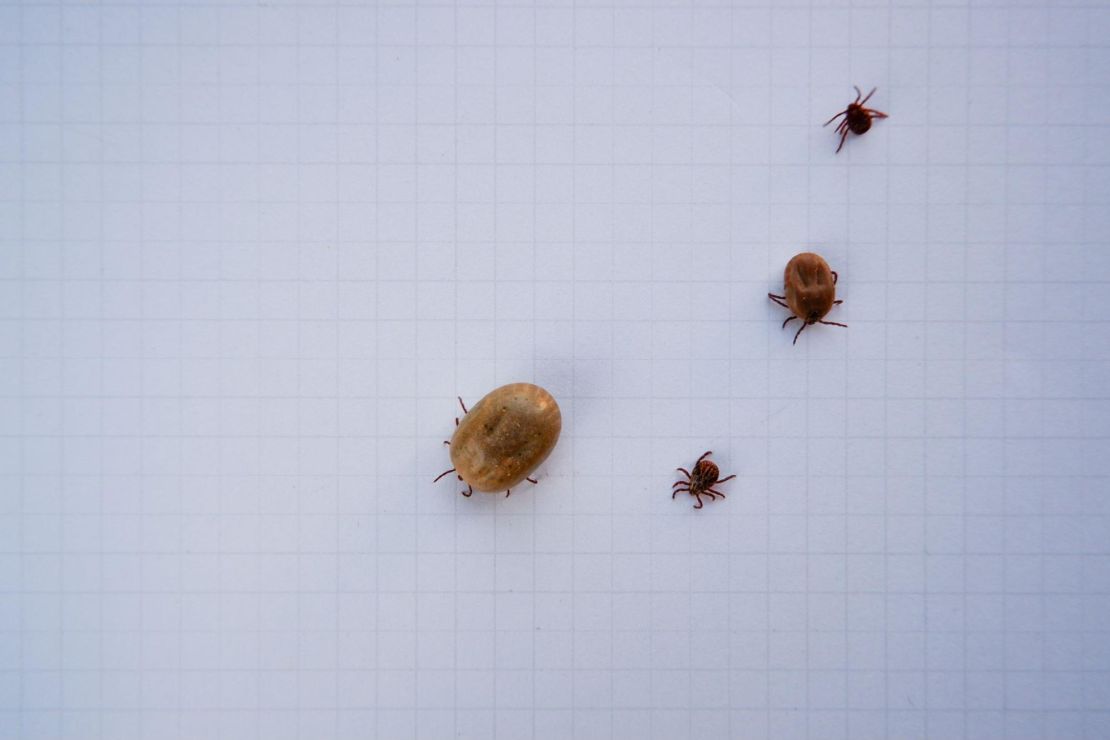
(857,119)
(504,438)
(809,288)
(700,482)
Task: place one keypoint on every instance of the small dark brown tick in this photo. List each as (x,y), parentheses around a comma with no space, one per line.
(700,482)
(809,288)
(857,119)
(504,438)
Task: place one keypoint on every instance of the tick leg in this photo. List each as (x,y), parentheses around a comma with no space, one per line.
(837,303)
(445,472)
(834,323)
(530,480)
(804,325)
(508,492)
(684,471)
(463,405)
(704,455)
(858,93)
(708,492)
(456,421)
(779,299)
(468,492)
(843,136)
(835,276)
(678,491)
(699,504)
(722,480)
(788,320)
(446,443)
(875,113)
(838,115)
(678,483)
(714,490)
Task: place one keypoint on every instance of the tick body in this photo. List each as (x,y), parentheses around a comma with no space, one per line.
(701,481)
(809,291)
(504,437)
(857,118)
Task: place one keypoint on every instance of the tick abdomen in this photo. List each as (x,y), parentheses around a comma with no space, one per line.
(809,286)
(705,475)
(859,122)
(505,436)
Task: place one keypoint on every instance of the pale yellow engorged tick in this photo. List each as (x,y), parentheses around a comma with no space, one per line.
(504,437)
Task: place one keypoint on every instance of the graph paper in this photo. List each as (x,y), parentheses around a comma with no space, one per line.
(251,253)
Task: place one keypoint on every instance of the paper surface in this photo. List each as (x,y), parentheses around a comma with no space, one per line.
(251,253)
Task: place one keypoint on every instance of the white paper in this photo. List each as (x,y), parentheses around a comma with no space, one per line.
(251,253)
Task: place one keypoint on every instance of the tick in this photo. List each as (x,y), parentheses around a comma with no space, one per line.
(857,119)
(504,437)
(810,291)
(700,482)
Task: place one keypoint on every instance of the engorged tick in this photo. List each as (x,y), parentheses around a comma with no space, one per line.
(857,119)
(809,288)
(700,482)
(504,438)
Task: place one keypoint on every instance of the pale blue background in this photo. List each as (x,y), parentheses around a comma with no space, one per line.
(251,252)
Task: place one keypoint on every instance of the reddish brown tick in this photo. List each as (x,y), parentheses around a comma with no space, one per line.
(857,119)
(700,482)
(809,291)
